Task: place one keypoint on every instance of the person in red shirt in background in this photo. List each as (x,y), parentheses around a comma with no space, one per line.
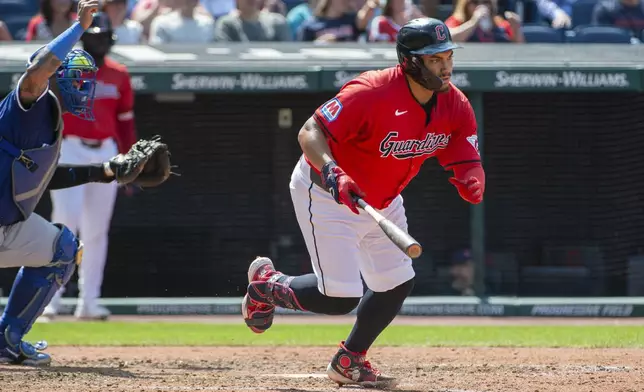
(88,208)
(477,21)
(395,13)
(370,140)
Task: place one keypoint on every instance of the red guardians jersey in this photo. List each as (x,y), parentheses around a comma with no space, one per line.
(380,135)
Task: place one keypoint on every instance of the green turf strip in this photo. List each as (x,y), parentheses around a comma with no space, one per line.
(198,334)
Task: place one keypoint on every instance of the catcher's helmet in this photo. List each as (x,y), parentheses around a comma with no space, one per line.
(419,37)
(76,81)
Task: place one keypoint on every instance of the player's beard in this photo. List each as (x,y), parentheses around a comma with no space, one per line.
(444,89)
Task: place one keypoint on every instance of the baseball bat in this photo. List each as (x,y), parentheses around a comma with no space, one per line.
(404,241)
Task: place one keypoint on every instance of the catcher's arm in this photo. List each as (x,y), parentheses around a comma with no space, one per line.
(68,176)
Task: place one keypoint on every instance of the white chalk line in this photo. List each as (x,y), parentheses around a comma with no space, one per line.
(295,375)
(263,389)
(222,389)
(330,388)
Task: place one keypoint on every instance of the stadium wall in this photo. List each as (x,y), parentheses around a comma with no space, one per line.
(560,141)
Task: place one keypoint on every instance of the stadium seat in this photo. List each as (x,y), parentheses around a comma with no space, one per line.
(582,12)
(10,8)
(600,35)
(528,11)
(17,25)
(538,33)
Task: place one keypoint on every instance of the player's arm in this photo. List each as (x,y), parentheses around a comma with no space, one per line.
(336,122)
(35,81)
(462,155)
(68,176)
(314,144)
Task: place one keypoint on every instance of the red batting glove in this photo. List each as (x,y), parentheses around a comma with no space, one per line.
(470,190)
(341,186)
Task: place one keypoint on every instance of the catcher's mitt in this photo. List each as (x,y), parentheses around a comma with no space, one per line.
(147,164)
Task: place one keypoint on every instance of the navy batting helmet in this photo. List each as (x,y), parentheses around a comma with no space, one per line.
(419,37)
(102,25)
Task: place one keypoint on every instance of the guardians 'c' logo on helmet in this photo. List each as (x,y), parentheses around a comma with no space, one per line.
(441,35)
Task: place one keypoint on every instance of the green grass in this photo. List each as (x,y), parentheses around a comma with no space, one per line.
(196,334)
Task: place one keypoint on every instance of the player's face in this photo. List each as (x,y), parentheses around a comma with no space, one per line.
(97,45)
(441,65)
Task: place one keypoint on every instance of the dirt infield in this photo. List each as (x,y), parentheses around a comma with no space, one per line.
(85,369)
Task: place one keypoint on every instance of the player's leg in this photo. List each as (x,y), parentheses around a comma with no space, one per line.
(95,222)
(48,254)
(66,207)
(389,274)
(332,233)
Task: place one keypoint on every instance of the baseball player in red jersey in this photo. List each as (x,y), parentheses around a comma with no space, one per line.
(89,208)
(369,140)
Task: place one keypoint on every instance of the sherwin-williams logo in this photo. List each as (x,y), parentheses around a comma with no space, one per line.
(568,79)
(244,81)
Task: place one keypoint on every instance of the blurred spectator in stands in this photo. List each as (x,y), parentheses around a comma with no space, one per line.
(395,13)
(276,6)
(478,21)
(367,10)
(183,24)
(300,14)
(556,12)
(429,8)
(218,8)
(462,271)
(627,14)
(5,34)
(127,31)
(145,11)
(249,23)
(55,16)
(336,21)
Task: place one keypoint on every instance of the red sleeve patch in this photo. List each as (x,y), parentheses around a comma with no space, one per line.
(474,141)
(331,109)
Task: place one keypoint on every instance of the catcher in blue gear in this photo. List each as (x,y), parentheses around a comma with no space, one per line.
(58,79)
